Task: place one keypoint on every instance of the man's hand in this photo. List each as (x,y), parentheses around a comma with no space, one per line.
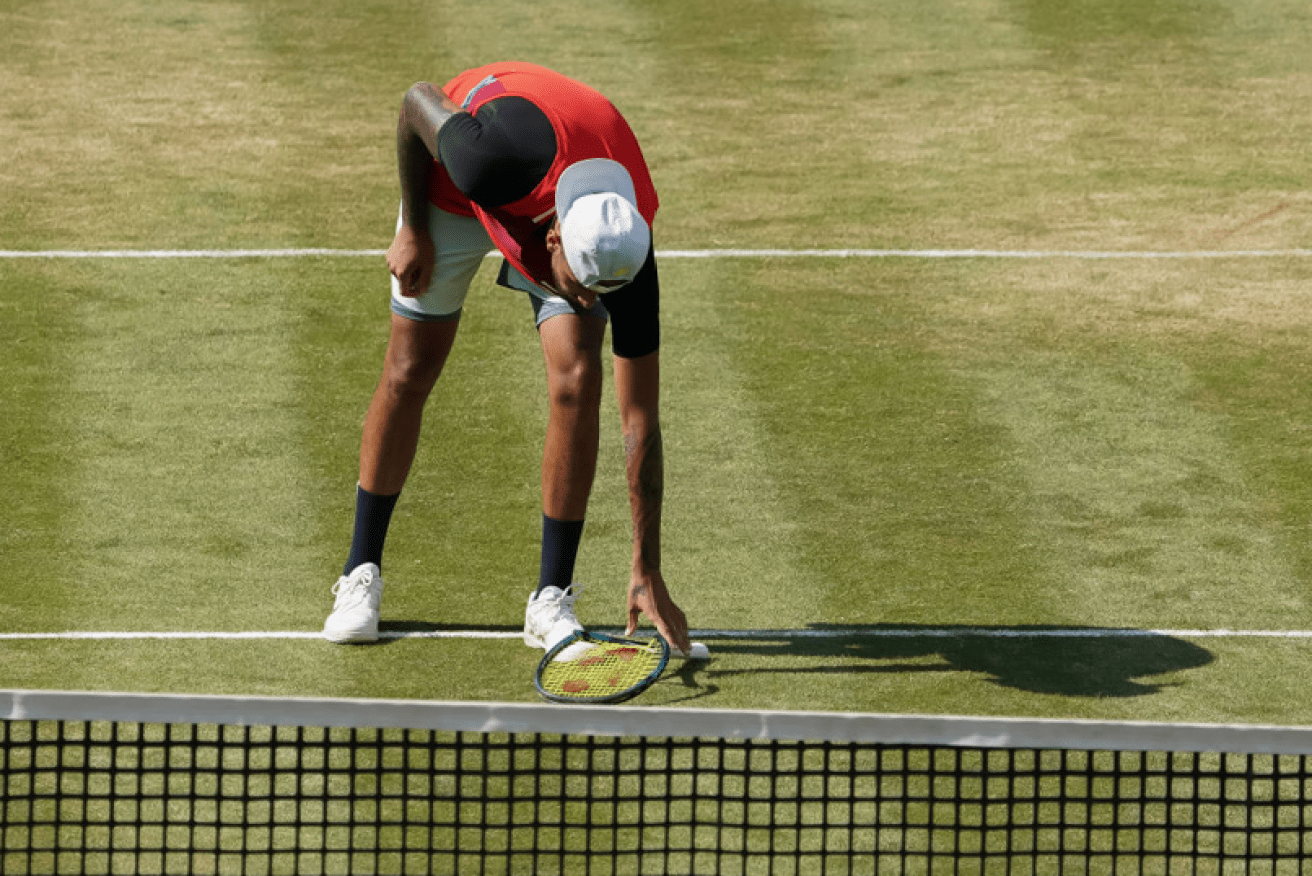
(410,258)
(647,595)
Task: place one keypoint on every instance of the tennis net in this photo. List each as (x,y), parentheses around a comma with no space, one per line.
(139,783)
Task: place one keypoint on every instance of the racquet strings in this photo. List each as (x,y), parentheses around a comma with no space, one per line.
(601,669)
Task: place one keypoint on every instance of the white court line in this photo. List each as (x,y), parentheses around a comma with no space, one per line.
(977,254)
(750,635)
(679,253)
(184,253)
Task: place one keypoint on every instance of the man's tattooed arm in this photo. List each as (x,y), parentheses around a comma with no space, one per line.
(424,111)
(645,465)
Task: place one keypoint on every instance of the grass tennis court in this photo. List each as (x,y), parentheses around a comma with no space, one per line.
(883,473)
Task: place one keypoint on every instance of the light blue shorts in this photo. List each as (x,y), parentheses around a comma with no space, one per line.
(462,244)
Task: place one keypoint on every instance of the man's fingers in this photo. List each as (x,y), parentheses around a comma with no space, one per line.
(667,617)
(680,642)
(413,282)
(422,278)
(410,259)
(676,636)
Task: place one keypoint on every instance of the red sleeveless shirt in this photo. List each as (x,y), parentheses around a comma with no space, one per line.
(586,125)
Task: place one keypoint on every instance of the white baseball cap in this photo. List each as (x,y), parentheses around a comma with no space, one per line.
(606,240)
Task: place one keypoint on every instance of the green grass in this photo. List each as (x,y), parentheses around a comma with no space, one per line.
(901,443)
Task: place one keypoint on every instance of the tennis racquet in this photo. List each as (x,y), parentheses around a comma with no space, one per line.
(597,668)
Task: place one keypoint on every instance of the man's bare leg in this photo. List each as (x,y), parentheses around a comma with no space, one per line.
(571,348)
(416,353)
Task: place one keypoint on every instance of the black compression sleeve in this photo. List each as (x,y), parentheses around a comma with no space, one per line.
(499,155)
(635,313)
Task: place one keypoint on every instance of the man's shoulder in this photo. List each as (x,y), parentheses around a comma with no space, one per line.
(501,153)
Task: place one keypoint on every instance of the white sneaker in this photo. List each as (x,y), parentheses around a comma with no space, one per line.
(550,617)
(355,613)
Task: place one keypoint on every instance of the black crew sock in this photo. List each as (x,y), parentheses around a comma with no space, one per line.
(560,548)
(373,514)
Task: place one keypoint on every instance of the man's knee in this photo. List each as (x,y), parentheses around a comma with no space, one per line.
(576,384)
(415,356)
(410,375)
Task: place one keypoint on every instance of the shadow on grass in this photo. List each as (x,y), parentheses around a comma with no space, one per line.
(1079,661)
(1065,661)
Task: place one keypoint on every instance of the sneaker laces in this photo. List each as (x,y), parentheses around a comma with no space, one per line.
(563,607)
(352,589)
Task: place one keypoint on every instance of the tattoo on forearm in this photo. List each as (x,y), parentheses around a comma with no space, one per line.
(645,461)
(423,112)
(646,454)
